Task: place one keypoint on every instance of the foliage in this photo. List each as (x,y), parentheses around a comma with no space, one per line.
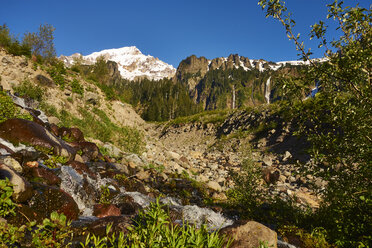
(247,192)
(8,109)
(53,232)
(316,239)
(57,71)
(153,228)
(105,195)
(26,88)
(76,87)
(12,44)
(7,206)
(42,42)
(338,121)
(54,161)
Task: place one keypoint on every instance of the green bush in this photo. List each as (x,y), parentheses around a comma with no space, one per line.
(7,206)
(26,88)
(9,110)
(76,87)
(11,44)
(57,71)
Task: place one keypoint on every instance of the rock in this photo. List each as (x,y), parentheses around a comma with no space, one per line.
(127,206)
(121,167)
(104,210)
(113,150)
(268,161)
(49,199)
(91,97)
(219,196)
(43,80)
(287,156)
(46,175)
(119,224)
(270,175)
(71,134)
(22,190)
(173,155)
(25,131)
(249,234)
(143,175)
(14,164)
(90,151)
(32,164)
(81,168)
(214,186)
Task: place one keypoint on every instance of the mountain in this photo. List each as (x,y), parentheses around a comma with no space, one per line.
(233,81)
(133,65)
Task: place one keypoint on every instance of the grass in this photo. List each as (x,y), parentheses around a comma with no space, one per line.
(96,124)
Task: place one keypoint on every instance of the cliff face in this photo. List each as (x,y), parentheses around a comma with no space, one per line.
(233,81)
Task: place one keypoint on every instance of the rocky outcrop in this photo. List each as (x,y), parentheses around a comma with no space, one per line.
(22,189)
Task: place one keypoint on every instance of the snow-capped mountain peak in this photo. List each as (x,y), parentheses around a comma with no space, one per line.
(131,62)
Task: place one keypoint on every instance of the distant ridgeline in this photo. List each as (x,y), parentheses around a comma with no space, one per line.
(199,84)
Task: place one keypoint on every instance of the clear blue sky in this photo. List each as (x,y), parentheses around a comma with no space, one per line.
(168,29)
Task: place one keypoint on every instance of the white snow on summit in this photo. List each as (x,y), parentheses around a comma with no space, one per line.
(131,62)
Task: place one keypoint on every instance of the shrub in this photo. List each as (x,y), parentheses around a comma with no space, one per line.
(26,88)
(7,206)
(57,71)
(76,87)
(11,44)
(9,110)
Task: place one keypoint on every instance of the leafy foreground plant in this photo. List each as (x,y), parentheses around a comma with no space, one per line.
(338,121)
(154,229)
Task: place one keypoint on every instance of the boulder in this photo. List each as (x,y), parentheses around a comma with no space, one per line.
(49,199)
(81,168)
(214,186)
(119,224)
(29,132)
(22,190)
(249,234)
(46,175)
(12,163)
(104,210)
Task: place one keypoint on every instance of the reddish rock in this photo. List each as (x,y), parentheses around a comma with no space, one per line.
(74,134)
(46,175)
(249,234)
(25,131)
(49,199)
(104,210)
(81,168)
(32,164)
(54,129)
(128,206)
(90,151)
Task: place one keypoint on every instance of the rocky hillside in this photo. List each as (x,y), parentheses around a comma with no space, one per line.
(133,65)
